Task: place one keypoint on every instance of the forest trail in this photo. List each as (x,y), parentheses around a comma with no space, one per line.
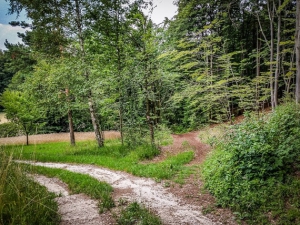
(185,142)
(173,203)
(171,209)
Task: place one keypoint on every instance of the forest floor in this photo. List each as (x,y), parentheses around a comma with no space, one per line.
(183,204)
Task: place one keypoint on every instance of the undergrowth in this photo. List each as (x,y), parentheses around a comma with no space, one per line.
(134,214)
(22,201)
(253,172)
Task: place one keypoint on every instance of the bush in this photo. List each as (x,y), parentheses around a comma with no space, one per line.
(246,172)
(9,130)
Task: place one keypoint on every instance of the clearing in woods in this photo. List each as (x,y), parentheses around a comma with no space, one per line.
(173,203)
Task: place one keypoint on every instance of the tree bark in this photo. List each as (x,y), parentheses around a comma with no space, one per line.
(271,18)
(297,48)
(277,69)
(96,126)
(71,127)
(27,138)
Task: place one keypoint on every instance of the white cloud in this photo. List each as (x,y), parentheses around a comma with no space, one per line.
(10,33)
(165,8)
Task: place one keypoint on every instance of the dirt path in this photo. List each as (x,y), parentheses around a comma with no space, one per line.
(185,142)
(171,209)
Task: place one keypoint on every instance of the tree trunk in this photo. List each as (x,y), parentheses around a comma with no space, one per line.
(96,126)
(271,18)
(258,43)
(70,119)
(297,48)
(27,138)
(71,127)
(95,122)
(277,70)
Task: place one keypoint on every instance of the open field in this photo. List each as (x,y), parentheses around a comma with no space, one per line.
(57,137)
(2,118)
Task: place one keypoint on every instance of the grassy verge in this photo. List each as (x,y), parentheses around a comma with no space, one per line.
(23,201)
(113,156)
(80,183)
(134,214)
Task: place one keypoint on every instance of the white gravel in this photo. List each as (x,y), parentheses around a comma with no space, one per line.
(152,195)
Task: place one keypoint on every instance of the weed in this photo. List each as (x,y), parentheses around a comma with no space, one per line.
(23,201)
(208,209)
(134,214)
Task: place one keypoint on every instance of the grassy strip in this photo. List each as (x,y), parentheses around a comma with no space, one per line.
(113,156)
(23,201)
(80,183)
(134,214)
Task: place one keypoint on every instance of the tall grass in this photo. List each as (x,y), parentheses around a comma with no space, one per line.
(23,201)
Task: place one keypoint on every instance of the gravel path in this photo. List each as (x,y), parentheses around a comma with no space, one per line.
(152,195)
(76,209)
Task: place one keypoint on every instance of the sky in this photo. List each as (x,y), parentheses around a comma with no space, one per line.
(165,8)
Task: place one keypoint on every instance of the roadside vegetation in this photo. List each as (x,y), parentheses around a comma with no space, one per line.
(113,156)
(254,170)
(23,201)
(80,183)
(135,214)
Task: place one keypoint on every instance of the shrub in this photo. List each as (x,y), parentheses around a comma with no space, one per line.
(9,130)
(246,172)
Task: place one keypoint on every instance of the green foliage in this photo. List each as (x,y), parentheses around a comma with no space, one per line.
(81,183)
(163,136)
(21,109)
(9,130)
(250,171)
(23,201)
(134,214)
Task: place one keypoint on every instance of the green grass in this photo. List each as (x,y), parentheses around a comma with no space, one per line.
(23,201)
(80,183)
(113,156)
(134,214)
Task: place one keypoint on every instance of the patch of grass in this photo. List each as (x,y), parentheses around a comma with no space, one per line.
(80,183)
(23,201)
(134,214)
(213,135)
(163,136)
(113,156)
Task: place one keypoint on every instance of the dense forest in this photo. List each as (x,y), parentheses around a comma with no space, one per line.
(104,65)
